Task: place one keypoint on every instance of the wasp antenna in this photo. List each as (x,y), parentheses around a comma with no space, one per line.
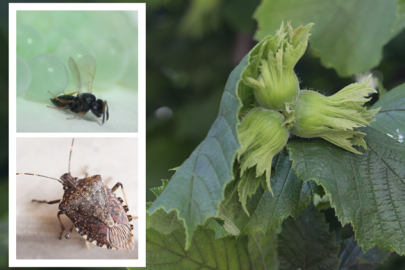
(34,174)
(104,109)
(103,112)
(70,155)
(108,114)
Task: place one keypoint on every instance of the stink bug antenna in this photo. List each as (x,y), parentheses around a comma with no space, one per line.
(34,174)
(70,155)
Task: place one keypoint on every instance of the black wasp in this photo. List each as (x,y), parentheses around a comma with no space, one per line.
(82,102)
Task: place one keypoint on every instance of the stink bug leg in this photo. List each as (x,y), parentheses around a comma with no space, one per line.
(59,213)
(44,201)
(114,188)
(67,236)
(61,224)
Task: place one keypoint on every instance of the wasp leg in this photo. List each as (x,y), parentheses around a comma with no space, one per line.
(61,100)
(70,94)
(58,108)
(80,113)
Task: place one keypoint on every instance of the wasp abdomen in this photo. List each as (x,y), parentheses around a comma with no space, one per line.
(58,103)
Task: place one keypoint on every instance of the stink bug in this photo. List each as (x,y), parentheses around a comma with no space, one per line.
(97,214)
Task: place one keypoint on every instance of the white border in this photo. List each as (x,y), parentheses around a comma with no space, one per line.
(141,135)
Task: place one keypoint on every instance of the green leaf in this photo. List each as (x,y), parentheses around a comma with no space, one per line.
(367,190)
(263,250)
(267,212)
(344,33)
(391,117)
(169,252)
(160,220)
(351,255)
(163,222)
(400,23)
(158,190)
(197,187)
(305,243)
(217,225)
(321,202)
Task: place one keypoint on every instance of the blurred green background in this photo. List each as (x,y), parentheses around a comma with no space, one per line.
(191,50)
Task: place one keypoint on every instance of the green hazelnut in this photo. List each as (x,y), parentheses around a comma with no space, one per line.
(261,136)
(335,118)
(273,79)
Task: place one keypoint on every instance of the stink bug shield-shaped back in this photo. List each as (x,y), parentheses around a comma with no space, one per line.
(97,214)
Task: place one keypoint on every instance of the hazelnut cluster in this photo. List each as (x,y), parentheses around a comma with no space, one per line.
(283,109)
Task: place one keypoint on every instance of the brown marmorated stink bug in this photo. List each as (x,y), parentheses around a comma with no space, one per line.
(97,214)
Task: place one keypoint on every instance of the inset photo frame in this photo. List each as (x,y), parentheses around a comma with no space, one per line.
(77,67)
(79,185)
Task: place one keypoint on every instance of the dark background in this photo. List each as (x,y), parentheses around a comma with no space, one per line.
(186,72)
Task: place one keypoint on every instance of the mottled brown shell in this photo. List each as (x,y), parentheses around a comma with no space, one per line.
(99,216)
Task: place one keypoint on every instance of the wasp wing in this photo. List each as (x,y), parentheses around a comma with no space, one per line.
(87,69)
(75,74)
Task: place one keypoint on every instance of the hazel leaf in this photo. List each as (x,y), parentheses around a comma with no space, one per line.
(263,250)
(344,33)
(158,190)
(205,252)
(366,190)
(197,187)
(305,242)
(267,212)
(391,117)
(163,222)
